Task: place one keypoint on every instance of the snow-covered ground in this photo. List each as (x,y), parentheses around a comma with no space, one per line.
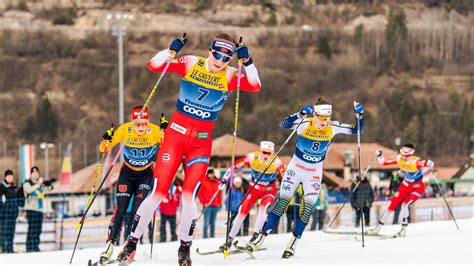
(426,243)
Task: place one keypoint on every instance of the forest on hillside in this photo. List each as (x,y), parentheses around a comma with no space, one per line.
(416,85)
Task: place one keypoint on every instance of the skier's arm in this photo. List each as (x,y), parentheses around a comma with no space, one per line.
(348,129)
(117,137)
(249,82)
(390,161)
(280,168)
(180,65)
(237,165)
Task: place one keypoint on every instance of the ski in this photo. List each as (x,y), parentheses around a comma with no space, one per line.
(245,250)
(109,262)
(380,237)
(350,233)
(208,252)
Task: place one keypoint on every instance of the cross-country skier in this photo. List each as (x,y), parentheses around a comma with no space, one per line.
(306,167)
(135,178)
(265,189)
(412,169)
(205,87)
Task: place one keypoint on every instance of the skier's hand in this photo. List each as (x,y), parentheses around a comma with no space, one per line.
(108,134)
(177,44)
(358,109)
(243,54)
(307,110)
(429,163)
(378,153)
(163,122)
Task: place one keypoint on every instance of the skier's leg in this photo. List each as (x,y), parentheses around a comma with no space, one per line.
(265,203)
(244,211)
(311,187)
(289,184)
(123,192)
(197,162)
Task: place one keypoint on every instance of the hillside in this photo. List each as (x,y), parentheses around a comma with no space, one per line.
(410,63)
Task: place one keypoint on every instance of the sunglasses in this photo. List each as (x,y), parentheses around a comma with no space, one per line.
(266,153)
(219,56)
(323,118)
(142,124)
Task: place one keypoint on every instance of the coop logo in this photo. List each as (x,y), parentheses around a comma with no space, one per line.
(200,113)
(138,163)
(311,158)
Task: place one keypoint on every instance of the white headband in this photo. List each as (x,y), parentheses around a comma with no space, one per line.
(267,145)
(323,109)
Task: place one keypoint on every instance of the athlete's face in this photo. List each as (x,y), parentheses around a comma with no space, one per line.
(266,154)
(141,126)
(322,121)
(217,64)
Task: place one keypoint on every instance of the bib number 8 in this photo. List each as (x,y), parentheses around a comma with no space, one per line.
(315,146)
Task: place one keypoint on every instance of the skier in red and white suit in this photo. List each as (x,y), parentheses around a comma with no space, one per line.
(412,169)
(205,87)
(265,189)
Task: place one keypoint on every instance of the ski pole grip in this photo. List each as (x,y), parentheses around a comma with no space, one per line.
(184,39)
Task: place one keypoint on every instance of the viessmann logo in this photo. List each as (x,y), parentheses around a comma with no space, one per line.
(202,114)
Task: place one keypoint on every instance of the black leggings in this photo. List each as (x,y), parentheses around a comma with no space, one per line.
(130,183)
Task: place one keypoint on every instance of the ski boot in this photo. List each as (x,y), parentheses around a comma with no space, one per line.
(109,250)
(184,255)
(290,249)
(254,236)
(403,231)
(223,247)
(128,251)
(256,243)
(375,231)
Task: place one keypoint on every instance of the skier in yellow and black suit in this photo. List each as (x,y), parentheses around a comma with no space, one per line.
(136,174)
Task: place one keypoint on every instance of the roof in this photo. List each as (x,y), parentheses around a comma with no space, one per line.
(82,180)
(222,146)
(336,180)
(335,155)
(446,172)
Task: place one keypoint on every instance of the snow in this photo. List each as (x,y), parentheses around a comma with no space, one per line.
(426,243)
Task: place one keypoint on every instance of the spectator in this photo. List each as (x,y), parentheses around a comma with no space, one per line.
(8,211)
(319,213)
(395,182)
(209,186)
(362,199)
(34,189)
(238,193)
(168,209)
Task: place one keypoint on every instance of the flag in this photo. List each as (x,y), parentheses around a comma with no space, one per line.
(66,168)
(27,160)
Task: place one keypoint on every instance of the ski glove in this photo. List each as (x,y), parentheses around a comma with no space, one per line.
(307,110)
(163,122)
(378,153)
(108,134)
(429,163)
(243,53)
(358,109)
(177,44)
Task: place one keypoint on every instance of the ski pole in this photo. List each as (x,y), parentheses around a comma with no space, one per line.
(134,122)
(96,178)
(352,191)
(445,201)
(360,175)
(234,138)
